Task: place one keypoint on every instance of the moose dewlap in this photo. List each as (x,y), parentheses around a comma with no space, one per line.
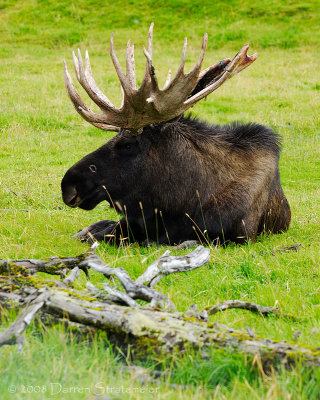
(174,178)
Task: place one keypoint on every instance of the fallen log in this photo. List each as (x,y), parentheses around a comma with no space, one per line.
(119,313)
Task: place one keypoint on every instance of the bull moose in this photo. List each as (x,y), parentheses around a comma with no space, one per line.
(172,177)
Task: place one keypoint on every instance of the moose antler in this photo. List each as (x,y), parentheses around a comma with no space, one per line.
(148,104)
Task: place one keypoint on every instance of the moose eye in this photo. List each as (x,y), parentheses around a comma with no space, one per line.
(128,146)
(93,168)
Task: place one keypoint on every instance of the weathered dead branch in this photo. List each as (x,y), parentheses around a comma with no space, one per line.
(167,264)
(12,335)
(54,266)
(186,244)
(244,305)
(294,247)
(73,275)
(133,289)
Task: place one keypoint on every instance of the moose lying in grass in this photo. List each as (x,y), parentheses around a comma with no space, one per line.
(175,178)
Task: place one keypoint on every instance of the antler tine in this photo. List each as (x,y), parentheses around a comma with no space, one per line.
(149,82)
(88,74)
(80,65)
(122,78)
(150,76)
(180,68)
(86,80)
(167,80)
(105,127)
(131,74)
(78,103)
(81,107)
(150,38)
(240,62)
(76,65)
(197,68)
(123,96)
(185,83)
(183,57)
(179,89)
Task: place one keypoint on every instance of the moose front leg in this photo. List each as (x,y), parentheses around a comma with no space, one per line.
(117,232)
(106,230)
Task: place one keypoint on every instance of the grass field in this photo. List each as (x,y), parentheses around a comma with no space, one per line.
(42,136)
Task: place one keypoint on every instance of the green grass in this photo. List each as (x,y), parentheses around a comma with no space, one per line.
(41,136)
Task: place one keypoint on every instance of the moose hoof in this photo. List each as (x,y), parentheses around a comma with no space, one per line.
(84,236)
(100,231)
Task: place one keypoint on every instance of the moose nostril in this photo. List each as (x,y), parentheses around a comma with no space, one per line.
(70,196)
(72,202)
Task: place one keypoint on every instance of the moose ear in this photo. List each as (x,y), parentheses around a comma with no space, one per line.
(210,75)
